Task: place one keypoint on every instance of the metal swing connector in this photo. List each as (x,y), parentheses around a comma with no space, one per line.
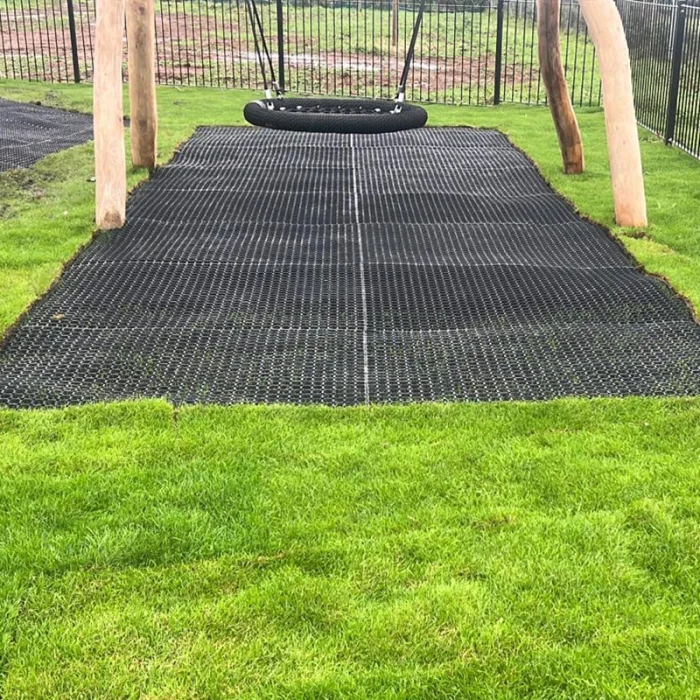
(269,96)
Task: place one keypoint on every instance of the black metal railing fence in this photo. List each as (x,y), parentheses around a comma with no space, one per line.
(469,51)
(685,131)
(664,42)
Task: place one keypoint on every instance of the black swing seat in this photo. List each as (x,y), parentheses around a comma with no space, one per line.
(335,115)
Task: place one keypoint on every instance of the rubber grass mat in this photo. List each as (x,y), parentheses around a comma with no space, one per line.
(265,266)
(30,132)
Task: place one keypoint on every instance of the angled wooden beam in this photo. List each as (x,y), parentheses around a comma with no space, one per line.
(140,29)
(554,80)
(608,35)
(108,108)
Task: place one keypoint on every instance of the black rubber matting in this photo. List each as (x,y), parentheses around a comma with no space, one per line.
(30,132)
(267,266)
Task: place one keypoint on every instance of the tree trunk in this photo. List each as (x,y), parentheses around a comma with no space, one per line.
(140,27)
(557,90)
(110,155)
(608,35)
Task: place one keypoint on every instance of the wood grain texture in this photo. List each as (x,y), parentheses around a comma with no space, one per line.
(110,152)
(557,89)
(140,24)
(608,35)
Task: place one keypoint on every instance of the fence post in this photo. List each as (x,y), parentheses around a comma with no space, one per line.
(674,91)
(73,41)
(280,46)
(499,52)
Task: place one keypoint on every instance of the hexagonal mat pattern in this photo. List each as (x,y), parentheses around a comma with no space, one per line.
(29,132)
(431,265)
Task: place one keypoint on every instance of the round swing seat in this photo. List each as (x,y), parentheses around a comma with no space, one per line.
(335,115)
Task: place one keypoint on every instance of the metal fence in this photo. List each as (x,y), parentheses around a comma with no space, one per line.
(469,51)
(664,43)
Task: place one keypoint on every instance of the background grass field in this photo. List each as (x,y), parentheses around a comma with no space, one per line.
(440,551)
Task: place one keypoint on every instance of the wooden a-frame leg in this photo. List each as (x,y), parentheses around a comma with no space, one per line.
(110,153)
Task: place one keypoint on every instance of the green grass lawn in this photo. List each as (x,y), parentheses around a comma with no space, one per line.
(546,550)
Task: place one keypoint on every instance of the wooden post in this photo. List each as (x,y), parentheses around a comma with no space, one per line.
(557,90)
(608,35)
(110,155)
(140,29)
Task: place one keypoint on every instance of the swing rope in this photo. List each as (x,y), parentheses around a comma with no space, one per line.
(257,26)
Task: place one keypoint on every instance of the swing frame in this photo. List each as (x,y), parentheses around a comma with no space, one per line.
(605,28)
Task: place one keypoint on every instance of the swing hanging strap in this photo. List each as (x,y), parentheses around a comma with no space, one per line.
(257,26)
(409,56)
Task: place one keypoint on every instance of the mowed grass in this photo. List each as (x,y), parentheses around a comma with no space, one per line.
(426,552)
(461,551)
